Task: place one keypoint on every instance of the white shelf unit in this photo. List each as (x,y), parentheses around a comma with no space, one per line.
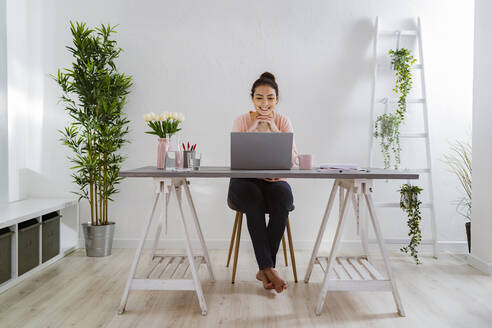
(12,214)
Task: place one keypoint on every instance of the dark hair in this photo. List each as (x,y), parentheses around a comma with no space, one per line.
(266,78)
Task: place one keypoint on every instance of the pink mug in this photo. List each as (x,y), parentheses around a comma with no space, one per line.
(305,161)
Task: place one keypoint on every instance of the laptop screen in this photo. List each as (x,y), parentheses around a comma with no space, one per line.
(261,150)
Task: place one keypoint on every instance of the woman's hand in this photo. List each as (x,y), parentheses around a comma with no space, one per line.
(263,119)
(255,125)
(269,120)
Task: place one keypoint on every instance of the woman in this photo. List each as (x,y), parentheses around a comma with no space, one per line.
(257,196)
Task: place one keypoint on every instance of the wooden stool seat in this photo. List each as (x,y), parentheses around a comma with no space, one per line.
(236,236)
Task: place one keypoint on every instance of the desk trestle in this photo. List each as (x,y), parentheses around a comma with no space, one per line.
(352,273)
(170,271)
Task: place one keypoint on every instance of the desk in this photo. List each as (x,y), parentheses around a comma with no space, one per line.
(355,273)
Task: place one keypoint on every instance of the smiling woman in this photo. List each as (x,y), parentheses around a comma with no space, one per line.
(255,197)
(265,97)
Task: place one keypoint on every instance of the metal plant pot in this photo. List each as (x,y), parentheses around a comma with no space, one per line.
(98,239)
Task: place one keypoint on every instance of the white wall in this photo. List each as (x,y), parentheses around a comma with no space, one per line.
(482,135)
(4,177)
(201,59)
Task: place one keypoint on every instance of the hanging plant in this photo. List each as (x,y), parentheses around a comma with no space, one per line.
(402,61)
(410,203)
(388,129)
(387,126)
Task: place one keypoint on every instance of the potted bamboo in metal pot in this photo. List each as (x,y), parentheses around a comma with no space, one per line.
(94,94)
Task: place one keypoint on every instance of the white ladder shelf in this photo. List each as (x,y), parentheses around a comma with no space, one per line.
(422,100)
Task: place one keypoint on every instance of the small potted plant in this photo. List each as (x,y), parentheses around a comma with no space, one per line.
(164,126)
(460,163)
(410,204)
(94,94)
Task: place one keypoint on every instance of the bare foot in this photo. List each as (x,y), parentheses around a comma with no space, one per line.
(278,283)
(267,284)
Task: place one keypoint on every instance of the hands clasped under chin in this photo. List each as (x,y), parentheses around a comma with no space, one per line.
(263,121)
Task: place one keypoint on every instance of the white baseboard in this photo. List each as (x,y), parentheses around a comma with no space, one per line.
(479,264)
(348,245)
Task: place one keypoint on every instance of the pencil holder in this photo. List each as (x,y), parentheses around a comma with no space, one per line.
(188,159)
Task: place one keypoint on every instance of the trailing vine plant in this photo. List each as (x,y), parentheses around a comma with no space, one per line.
(387,126)
(410,203)
(402,60)
(388,129)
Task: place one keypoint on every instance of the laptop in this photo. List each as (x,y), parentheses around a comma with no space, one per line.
(261,150)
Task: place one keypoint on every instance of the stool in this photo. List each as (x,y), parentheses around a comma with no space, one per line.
(236,235)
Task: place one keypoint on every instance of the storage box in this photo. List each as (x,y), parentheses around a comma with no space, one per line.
(28,246)
(50,230)
(5,255)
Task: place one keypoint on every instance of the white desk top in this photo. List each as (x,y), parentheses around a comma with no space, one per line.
(19,211)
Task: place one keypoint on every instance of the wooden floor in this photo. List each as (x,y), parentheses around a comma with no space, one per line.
(78,291)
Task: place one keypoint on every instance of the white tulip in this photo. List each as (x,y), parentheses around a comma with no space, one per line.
(160,118)
(146,117)
(181,118)
(169,115)
(153,117)
(165,115)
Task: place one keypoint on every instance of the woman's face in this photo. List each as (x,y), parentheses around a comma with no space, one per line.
(265,99)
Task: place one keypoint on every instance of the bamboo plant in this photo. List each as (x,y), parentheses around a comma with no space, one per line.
(94,94)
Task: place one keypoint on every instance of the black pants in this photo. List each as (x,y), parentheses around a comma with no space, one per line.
(255,197)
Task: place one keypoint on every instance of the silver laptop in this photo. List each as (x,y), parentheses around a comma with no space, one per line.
(261,150)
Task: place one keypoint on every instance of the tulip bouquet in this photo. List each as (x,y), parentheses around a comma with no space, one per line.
(164,124)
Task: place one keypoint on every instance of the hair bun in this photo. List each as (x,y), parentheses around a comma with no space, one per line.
(267,75)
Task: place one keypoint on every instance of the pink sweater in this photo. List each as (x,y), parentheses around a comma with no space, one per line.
(243,122)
